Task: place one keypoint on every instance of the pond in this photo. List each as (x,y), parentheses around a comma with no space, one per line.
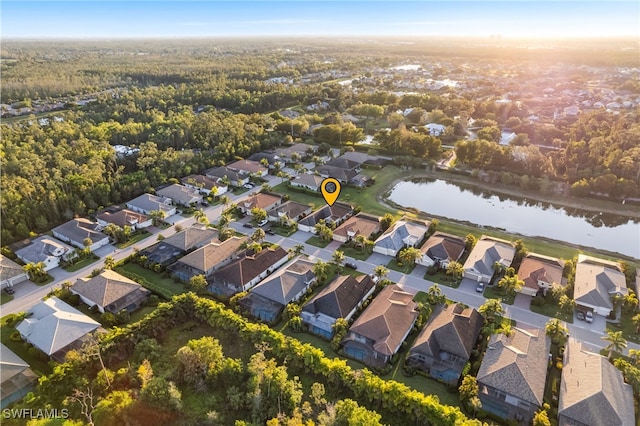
(614,233)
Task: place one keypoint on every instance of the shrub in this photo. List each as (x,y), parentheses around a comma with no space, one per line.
(33,352)
(108,319)
(153,300)
(73,299)
(15,336)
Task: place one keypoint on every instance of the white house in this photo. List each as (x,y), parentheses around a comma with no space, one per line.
(435,129)
(403,233)
(596,281)
(146,203)
(77,230)
(47,250)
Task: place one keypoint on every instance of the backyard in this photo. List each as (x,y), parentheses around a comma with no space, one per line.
(164,286)
(36,359)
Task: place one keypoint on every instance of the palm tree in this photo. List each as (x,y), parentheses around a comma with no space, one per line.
(498,268)
(157,217)
(258,235)
(296,250)
(566,303)
(224,220)
(491,309)
(455,269)
(360,240)
(112,230)
(225,200)
(556,331)
(255,247)
(636,322)
(381,272)
(435,295)
(616,342)
(201,217)
(337,258)
(634,354)
(320,269)
(109,262)
(409,255)
(509,284)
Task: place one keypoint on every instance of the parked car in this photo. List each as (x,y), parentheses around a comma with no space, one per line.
(351,265)
(580,315)
(247,225)
(248,186)
(270,232)
(588,316)
(263,222)
(480,287)
(9,290)
(204,203)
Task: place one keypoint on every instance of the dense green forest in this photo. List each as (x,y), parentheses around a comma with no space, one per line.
(189,105)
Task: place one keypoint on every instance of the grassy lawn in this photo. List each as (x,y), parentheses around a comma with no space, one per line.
(82,263)
(552,310)
(135,237)
(5,298)
(405,269)
(283,231)
(495,293)
(163,286)
(355,253)
(442,278)
(301,197)
(316,241)
(37,363)
(627,327)
(141,313)
(551,389)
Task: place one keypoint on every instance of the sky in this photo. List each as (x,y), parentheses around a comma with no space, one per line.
(188,19)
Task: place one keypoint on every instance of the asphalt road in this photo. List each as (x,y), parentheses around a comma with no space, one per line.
(27,294)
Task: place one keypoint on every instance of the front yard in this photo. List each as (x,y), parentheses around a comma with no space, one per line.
(552,310)
(494,292)
(85,261)
(318,242)
(627,327)
(360,254)
(135,237)
(395,266)
(442,278)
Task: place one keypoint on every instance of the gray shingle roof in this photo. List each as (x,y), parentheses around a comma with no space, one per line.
(596,279)
(592,390)
(149,203)
(341,296)
(284,284)
(180,194)
(245,269)
(79,229)
(487,252)
(328,213)
(402,233)
(106,288)
(517,364)
(194,236)
(9,269)
(42,248)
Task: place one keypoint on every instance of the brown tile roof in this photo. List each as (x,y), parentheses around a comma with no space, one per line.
(122,218)
(201,181)
(443,246)
(245,269)
(517,364)
(359,224)
(387,319)
(341,296)
(536,268)
(452,329)
(592,390)
(207,257)
(106,288)
(261,200)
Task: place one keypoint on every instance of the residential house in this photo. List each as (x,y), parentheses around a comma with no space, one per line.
(147,203)
(444,345)
(204,184)
(273,160)
(261,200)
(236,178)
(380,330)
(513,372)
(332,215)
(245,272)
(180,194)
(290,152)
(360,224)
(252,168)
(267,300)
(46,250)
(76,231)
(111,292)
(539,273)
(17,379)
(435,129)
(596,281)
(308,181)
(344,176)
(487,251)
(207,259)
(166,251)
(122,218)
(345,163)
(11,273)
(289,211)
(340,299)
(440,249)
(403,233)
(592,390)
(55,327)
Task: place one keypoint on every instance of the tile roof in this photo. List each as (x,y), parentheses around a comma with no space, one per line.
(343,163)
(284,284)
(596,279)
(328,213)
(79,229)
(150,202)
(536,268)
(339,173)
(517,364)
(402,233)
(222,171)
(261,200)
(54,325)
(247,166)
(341,296)
(443,246)
(122,218)
(194,236)
(451,329)
(307,179)
(592,390)
(387,319)
(207,257)
(106,288)
(300,148)
(201,181)
(180,194)
(249,266)
(359,224)
(487,252)
(290,208)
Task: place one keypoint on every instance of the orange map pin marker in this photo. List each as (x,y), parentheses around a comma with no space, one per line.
(330,189)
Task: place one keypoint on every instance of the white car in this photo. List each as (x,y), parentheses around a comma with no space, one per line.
(263,222)
(588,316)
(247,186)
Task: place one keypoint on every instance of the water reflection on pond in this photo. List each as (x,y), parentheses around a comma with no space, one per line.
(528,217)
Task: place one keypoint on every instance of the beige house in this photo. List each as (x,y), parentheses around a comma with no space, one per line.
(539,272)
(111,292)
(360,224)
(596,281)
(207,259)
(11,273)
